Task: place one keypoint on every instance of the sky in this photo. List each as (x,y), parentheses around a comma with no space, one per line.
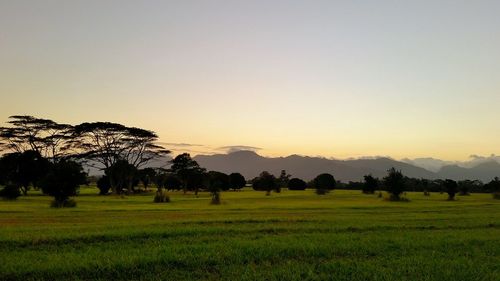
(340,79)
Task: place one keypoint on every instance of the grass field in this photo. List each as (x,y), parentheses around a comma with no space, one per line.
(295,235)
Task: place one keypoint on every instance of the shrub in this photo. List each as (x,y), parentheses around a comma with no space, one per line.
(104,185)
(297,184)
(395,184)
(265,182)
(451,187)
(215,198)
(237,181)
(496,195)
(324,183)
(10,192)
(62,181)
(161,197)
(370,184)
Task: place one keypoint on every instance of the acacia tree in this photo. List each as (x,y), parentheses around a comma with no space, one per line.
(49,139)
(188,171)
(106,143)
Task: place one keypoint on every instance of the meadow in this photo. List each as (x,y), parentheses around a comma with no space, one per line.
(294,235)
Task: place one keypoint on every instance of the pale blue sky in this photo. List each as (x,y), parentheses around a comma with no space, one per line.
(331,78)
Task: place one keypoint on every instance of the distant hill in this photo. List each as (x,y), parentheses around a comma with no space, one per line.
(483,171)
(250,164)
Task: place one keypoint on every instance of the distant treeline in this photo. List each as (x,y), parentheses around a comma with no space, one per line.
(43,154)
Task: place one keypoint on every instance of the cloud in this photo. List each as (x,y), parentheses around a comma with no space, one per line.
(234,148)
(179,144)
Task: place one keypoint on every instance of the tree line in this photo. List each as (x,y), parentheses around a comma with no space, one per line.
(43,154)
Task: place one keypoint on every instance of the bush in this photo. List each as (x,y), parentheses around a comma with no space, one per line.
(10,192)
(104,185)
(161,197)
(496,195)
(394,183)
(63,181)
(297,184)
(370,184)
(324,183)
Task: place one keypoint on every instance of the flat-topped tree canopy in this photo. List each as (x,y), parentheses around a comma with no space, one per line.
(47,137)
(107,142)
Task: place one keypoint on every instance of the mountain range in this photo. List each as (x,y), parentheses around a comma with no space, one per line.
(250,164)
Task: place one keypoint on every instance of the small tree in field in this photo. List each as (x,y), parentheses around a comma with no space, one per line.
(494,187)
(370,184)
(297,184)
(451,187)
(63,181)
(265,182)
(217,181)
(324,183)
(103,185)
(395,184)
(237,181)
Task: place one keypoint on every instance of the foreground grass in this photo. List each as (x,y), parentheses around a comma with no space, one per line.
(288,236)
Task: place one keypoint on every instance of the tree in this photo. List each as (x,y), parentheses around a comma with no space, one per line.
(465,187)
(106,143)
(121,176)
(103,185)
(10,192)
(23,169)
(283,180)
(237,181)
(217,181)
(63,181)
(146,176)
(395,184)
(297,184)
(188,171)
(324,183)
(265,182)
(49,139)
(451,187)
(494,187)
(370,184)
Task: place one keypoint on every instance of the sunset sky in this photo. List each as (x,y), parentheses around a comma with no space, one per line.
(332,78)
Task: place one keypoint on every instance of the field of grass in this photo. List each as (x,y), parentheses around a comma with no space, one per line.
(295,235)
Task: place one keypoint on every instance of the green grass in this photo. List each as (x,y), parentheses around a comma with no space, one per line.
(295,235)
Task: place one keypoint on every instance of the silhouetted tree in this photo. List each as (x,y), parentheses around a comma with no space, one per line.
(237,181)
(494,187)
(104,185)
(217,181)
(188,171)
(10,192)
(451,188)
(323,183)
(63,181)
(283,180)
(297,184)
(106,143)
(121,176)
(147,176)
(370,184)
(23,169)
(395,184)
(465,187)
(265,182)
(49,139)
